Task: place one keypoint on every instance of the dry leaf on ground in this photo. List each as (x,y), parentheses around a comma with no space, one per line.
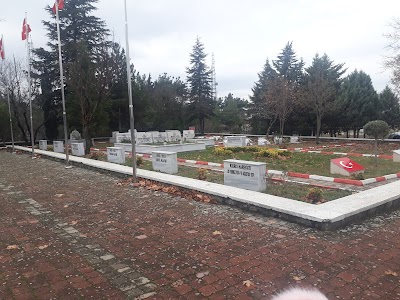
(248,283)
(216,232)
(43,247)
(12,247)
(390,272)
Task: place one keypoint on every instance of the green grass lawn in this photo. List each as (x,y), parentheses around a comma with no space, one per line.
(281,189)
(309,163)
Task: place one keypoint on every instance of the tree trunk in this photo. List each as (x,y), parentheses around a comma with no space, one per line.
(87,138)
(270,127)
(318,133)
(376,152)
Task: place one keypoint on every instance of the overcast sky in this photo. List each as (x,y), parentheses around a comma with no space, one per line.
(241,34)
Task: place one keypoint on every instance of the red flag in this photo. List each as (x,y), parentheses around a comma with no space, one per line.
(24,33)
(60,5)
(2,54)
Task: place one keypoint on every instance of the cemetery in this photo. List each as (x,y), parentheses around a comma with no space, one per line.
(231,161)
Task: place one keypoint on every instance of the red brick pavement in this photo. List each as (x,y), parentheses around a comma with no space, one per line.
(75,234)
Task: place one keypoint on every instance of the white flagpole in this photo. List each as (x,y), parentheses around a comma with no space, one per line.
(9,103)
(29,83)
(132,122)
(62,89)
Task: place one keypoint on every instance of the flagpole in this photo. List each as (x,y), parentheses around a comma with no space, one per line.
(9,103)
(29,82)
(62,89)
(132,122)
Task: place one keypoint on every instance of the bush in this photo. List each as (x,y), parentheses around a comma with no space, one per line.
(202,174)
(50,148)
(358,176)
(222,151)
(97,155)
(314,195)
(139,161)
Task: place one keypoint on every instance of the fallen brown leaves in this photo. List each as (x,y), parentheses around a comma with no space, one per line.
(12,247)
(248,283)
(169,189)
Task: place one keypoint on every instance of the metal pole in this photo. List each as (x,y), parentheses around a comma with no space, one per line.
(62,89)
(29,83)
(9,103)
(132,121)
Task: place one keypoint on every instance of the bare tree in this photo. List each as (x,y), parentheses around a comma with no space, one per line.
(392,60)
(13,77)
(279,99)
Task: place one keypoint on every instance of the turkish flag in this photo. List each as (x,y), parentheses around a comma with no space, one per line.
(24,30)
(2,55)
(60,5)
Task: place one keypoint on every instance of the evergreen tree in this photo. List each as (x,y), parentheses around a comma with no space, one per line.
(322,83)
(77,26)
(260,113)
(358,101)
(288,66)
(201,102)
(390,107)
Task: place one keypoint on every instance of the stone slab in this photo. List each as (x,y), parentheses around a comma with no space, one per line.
(248,175)
(165,161)
(43,145)
(116,155)
(78,149)
(58,146)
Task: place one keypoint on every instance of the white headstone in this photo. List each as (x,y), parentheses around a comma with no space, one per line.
(174,136)
(116,155)
(294,140)
(58,146)
(159,137)
(119,137)
(278,140)
(262,141)
(165,161)
(247,175)
(43,144)
(236,141)
(188,134)
(78,149)
(396,155)
(144,138)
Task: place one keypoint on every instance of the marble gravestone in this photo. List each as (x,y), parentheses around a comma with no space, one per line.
(396,155)
(174,136)
(188,134)
(165,161)
(78,149)
(235,141)
(159,137)
(247,175)
(116,155)
(144,138)
(58,146)
(43,145)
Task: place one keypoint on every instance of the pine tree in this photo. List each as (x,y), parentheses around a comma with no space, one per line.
(288,66)
(390,107)
(358,101)
(201,102)
(77,26)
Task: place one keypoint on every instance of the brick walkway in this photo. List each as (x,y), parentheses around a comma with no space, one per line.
(75,234)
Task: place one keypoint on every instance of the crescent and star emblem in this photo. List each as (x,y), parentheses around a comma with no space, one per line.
(347,166)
